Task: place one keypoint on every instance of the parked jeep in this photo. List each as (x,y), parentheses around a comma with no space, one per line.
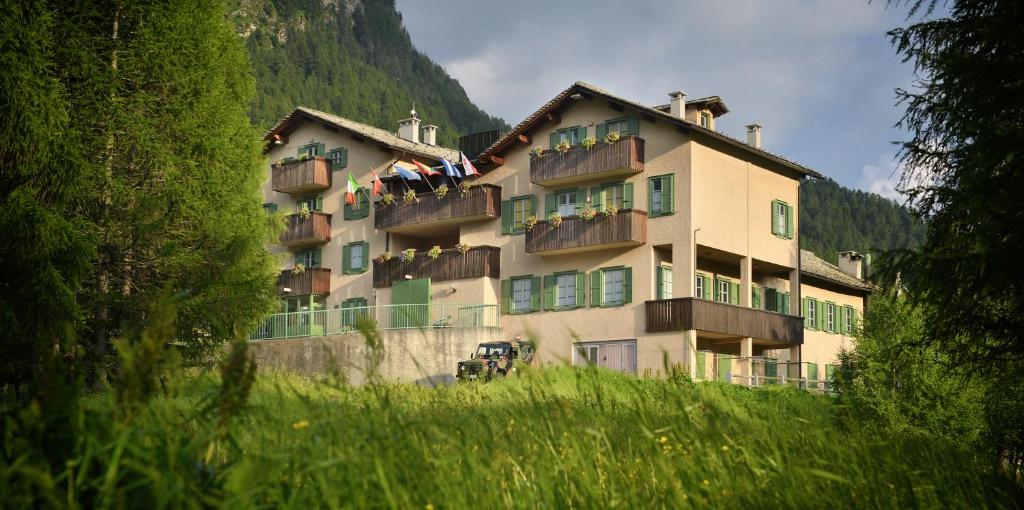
(494,359)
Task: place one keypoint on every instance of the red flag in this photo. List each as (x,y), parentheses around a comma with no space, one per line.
(424,169)
(467,166)
(378,187)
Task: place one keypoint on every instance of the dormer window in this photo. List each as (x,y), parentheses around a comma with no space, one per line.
(705,120)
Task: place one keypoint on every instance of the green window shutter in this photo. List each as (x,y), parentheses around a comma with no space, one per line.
(659,282)
(506,216)
(856,317)
(533,206)
(349,214)
(634,126)
(595,288)
(627,195)
(821,316)
(789,221)
(554,139)
(708,291)
(668,198)
(316,257)
(771,368)
(650,197)
(830,371)
(581,132)
(366,256)
(755,297)
(785,303)
(774,218)
(581,199)
(318,204)
(806,306)
(343,161)
(535,291)
(596,197)
(346,259)
(364,202)
(734,293)
(602,131)
(506,296)
(581,289)
(550,204)
(549,292)
(320,150)
(812,371)
(841,320)
(627,285)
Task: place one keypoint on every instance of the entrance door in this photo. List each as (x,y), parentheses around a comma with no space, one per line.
(724,367)
(415,295)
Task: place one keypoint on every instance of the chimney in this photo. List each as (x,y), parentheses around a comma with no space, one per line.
(677,104)
(430,134)
(754,135)
(409,129)
(852,263)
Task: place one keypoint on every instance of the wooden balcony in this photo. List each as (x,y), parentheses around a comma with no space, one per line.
(622,158)
(313,230)
(682,314)
(478,262)
(628,228)
(483,202)
(296,177)
(314,280)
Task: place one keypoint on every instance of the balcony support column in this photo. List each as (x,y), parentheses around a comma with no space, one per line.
(690,351)
(795,307)
(794,357)
(746,278)
(747,352)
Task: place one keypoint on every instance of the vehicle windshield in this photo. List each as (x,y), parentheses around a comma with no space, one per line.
(489,350)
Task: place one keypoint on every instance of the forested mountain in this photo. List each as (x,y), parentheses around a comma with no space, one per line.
(834,218)
(351,58)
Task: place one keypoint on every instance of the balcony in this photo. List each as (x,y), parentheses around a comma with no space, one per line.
(628,228)
(622,158)
(301,176)
(309,231)
(478,262)
(314,280)
(483,202)
(682,314)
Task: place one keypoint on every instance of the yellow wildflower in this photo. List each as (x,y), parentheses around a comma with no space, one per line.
(663,440)
(429,507)
(299,425)
(707,482)
(725,448)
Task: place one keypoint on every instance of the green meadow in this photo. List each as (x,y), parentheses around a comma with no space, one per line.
(561,437)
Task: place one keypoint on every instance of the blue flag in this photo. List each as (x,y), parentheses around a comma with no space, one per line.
(450,169)
(406,174)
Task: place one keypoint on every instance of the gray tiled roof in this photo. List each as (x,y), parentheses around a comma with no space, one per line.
(651,111)
(376,134)
(812,265)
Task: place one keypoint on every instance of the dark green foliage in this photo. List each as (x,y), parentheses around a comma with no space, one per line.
(358,63)
(965,174)
(834,219)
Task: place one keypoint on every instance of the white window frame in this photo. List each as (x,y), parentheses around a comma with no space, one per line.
(780,218)
(812,312)
(614,195)
(621,126)
(830,316)
(618,289)
(520,287)
(305,257)
(571,135)
(723,291)
(355,257)
(520,214)
(566,209)
(849,320)
(657,195)
(666,282)
(705,120)
(565,290)
(699,286)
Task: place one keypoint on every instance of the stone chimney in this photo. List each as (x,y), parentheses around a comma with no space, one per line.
(852,263)
(754,135)
(409,129)
(430,134)
(677,104)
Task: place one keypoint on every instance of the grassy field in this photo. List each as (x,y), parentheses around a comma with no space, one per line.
(548,438)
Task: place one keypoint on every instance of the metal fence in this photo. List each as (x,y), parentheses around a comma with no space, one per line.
(758,371)
(381,317)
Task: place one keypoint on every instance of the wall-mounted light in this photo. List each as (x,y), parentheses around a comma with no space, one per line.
(408,277)
(286,290)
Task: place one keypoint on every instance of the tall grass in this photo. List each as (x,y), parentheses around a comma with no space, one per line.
(579,438)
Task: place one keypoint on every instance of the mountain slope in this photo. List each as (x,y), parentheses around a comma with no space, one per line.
(834,218)
(351,58)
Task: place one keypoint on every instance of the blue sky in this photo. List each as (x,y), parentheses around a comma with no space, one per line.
(818,75)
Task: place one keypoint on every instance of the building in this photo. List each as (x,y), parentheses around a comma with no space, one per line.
(614,233)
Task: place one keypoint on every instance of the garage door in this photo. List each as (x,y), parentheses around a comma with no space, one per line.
(616,355)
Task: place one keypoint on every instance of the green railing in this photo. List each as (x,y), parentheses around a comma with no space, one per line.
(382,317)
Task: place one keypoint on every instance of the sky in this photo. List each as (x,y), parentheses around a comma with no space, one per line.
(818,75)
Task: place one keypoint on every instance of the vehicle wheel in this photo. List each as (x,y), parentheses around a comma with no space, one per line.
(500,372)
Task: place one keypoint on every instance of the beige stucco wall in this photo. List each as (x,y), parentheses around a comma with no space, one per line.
(821,347)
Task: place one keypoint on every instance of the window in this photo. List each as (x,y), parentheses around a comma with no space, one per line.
(782,219)
(313,149)
(361,208)
(705,120)
(313,203)
(659,196)
(849,319)
(515,212)
(308,258)
(624,126)
(723,291)
(566,202)
(355,257)
(613,287)
(699,286)
(339,158)
(521,294)
(830,317)
(566,290)
(619,355)
(619,195)
(810,313)
(574,135)
(664,282)
(270,208)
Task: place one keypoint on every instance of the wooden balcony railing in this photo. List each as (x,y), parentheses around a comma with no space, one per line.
(478,262)
(627,228)
(301,176)
(314,280)
(682,314)
(624,157)
(315,229)
(481,202)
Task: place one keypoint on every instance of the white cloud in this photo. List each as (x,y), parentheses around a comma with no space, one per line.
(883,178)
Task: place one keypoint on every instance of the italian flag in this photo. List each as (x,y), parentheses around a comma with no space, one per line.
(350,192)
(378,187)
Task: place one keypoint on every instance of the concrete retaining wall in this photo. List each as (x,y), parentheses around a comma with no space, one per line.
(426,356)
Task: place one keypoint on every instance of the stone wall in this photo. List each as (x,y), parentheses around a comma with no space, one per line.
(427,356)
